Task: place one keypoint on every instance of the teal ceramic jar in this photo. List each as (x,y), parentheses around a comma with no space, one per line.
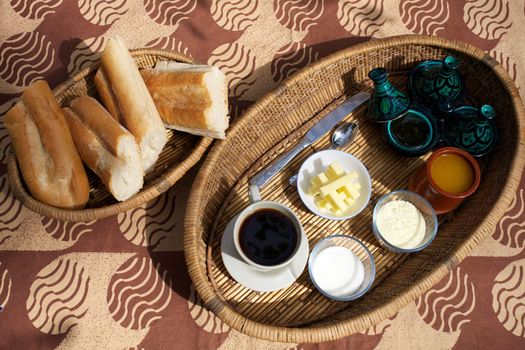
(472,129)
(387,102)
(438,83)
(414,134)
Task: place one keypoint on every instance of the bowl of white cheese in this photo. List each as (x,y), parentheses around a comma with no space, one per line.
(341,267)
(404,222)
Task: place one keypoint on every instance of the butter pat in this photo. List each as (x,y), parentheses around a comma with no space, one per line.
(320,180)
(335,171)
(349,201)
(335,185)
(352,190)
(335,190)
(337,200)
(317,182)
(323,204)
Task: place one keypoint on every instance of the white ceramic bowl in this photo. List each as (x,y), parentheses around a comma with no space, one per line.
(319,162)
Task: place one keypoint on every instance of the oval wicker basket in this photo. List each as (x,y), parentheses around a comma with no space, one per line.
(299,313)
(182,151)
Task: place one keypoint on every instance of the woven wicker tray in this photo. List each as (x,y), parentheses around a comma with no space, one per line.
(182,151)
(275,123)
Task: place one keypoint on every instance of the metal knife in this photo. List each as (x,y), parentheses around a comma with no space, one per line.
(319,129)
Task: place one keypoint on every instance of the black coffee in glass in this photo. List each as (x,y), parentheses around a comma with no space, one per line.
(268,237)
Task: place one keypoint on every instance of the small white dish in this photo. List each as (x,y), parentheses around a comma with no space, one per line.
(258,280)
(317,163)
(424,207)
(360,251)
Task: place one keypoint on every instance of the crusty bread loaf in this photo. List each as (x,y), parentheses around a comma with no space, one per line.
(126,97)
(190,98)
(50,164)
(106,147)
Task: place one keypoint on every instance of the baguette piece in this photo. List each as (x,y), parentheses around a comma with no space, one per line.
(48,160)
(126,97)
(106,147)
(190,98)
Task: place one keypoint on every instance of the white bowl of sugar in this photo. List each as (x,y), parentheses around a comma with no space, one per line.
(341,267)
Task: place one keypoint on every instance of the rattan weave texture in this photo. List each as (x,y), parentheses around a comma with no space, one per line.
(276,122)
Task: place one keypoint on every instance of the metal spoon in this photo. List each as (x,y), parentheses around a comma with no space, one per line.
(342,136)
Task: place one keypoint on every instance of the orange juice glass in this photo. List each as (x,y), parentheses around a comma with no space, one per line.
(449,176)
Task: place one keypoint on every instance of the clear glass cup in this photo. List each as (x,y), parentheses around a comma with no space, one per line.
(357,248)
(422,205)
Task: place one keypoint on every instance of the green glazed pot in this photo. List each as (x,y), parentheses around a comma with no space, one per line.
(387,102)
(438,83)
(472,129)
(414,134)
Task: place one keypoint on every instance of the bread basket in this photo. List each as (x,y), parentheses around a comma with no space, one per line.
(181,152)
(276,122)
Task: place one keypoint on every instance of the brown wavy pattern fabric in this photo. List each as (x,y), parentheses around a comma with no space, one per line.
(121,282)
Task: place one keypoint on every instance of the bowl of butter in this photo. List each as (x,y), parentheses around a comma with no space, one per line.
(334,185)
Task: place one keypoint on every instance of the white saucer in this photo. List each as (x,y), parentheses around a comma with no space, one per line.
(261,281)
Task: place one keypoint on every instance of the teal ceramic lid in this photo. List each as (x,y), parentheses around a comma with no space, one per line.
(471,129)
(414,134)
(387,102)
(438,83)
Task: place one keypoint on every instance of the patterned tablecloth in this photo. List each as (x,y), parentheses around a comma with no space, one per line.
(121,282)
